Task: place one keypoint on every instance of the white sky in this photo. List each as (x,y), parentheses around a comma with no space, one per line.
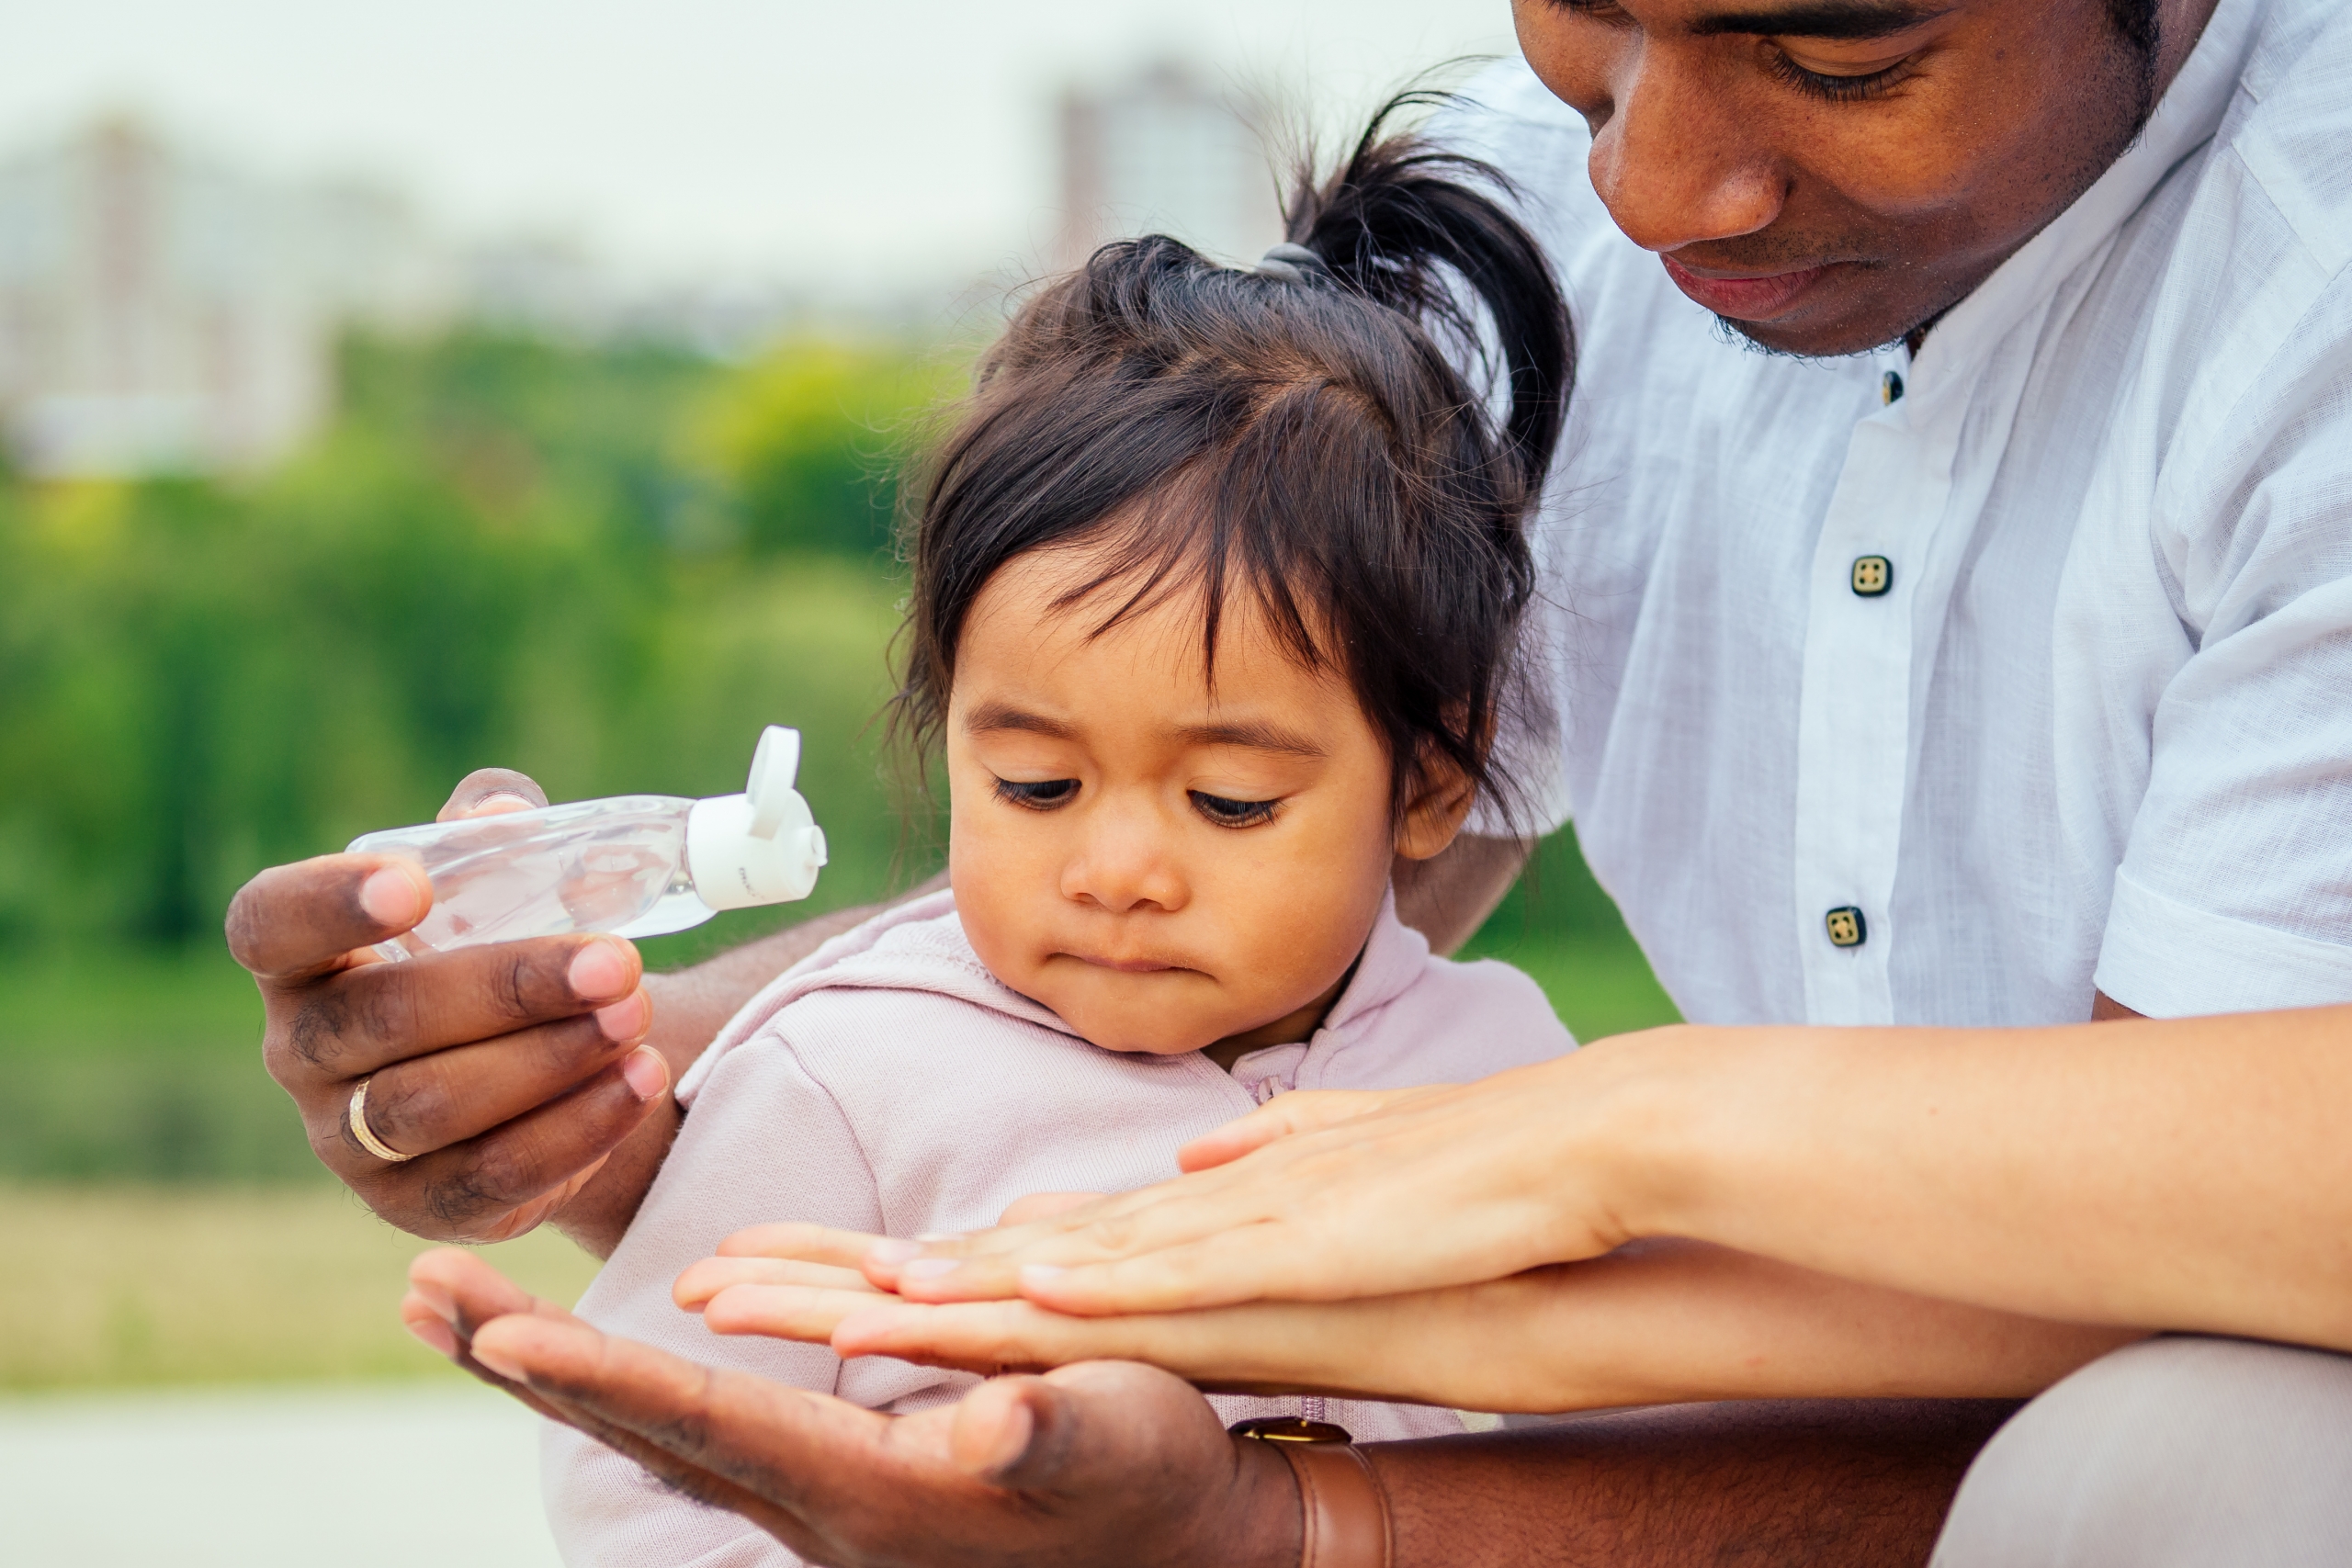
(844,143)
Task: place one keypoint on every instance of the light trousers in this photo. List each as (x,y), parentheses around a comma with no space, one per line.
(2176,1452)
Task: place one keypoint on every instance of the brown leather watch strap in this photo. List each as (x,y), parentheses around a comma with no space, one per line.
(1346,1507)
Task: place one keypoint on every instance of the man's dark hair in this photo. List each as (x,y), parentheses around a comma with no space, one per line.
(1300,429)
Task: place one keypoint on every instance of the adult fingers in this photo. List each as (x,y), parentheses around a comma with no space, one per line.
(1301,1111)
(768,1442)
(463,1295)
(359,1021)
(1452,1186)
(294,923)
(448,1096)
(1117,1464)
(486,791)
(474,1190)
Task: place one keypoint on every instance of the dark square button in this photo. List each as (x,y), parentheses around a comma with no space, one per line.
(1846,928)
(1872,576)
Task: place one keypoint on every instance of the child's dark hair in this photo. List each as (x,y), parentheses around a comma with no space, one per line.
(1300,425)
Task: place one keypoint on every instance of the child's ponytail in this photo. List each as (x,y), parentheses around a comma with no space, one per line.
(1307,432)
(1401,215)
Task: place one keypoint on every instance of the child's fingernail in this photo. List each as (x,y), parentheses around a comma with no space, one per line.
(1041,1273)
(437,1334)
(929,1268)
(894,1250)
(388,897)
(645,1072)
(626,1019)
(600,972)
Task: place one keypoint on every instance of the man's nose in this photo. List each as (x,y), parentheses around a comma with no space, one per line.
(1675,162)
(1124,861)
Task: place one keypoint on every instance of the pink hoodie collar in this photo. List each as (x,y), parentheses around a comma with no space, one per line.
(921,946)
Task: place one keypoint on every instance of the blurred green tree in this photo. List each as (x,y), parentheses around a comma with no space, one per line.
(808,443)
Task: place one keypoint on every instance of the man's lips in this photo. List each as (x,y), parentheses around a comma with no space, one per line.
(1755,297)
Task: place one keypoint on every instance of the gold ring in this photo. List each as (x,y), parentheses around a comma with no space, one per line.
(356,1119)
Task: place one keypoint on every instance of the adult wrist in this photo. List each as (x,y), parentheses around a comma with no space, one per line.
(1341,1515)
(1648,1108)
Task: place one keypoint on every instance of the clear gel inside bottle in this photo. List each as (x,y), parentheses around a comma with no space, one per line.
(634,865)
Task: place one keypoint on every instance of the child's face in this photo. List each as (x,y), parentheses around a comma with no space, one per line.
(1167,869)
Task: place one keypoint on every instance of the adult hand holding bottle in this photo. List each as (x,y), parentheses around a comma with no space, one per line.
(518,1081)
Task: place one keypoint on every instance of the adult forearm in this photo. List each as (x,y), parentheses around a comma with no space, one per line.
(1822,1483)
(2189,1173)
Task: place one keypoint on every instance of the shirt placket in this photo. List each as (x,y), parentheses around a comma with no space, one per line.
(1854,719)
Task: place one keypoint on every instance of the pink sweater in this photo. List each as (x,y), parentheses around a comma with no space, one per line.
(890,1083)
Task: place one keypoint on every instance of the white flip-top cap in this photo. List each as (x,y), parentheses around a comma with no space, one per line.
(762,846)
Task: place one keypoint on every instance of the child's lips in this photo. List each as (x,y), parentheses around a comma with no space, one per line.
(1126,966)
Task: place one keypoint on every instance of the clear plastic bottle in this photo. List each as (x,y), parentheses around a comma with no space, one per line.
(635,865)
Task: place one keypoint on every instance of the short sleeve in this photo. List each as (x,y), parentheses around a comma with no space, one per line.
(2234,892)
(764,1142)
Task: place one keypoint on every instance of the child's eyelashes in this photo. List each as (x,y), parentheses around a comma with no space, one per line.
(1045,795)
(1041,795)
(1228,813)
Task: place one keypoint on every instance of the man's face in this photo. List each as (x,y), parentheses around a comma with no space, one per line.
(1827,176)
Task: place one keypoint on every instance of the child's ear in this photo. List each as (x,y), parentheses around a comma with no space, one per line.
(1436,809)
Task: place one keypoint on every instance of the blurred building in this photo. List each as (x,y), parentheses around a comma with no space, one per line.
(160,311)
(1166,152)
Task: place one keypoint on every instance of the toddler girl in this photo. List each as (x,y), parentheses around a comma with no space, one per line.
(1216,584)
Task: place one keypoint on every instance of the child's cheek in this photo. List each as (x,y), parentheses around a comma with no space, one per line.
(1003,891)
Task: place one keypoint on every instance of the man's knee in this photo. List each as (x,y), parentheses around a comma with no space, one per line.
(2174,1452)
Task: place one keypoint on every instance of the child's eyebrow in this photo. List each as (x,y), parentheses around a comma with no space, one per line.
(991,718)
(1256,736)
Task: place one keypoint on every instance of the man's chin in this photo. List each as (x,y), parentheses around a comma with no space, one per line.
(1795,342)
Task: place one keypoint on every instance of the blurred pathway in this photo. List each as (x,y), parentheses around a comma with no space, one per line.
(444,1475)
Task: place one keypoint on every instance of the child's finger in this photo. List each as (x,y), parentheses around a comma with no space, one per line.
(803,1242)
(1038,1205)
(705,1280)
(806,1313)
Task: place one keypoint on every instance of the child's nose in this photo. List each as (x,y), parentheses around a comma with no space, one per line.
(1123,864)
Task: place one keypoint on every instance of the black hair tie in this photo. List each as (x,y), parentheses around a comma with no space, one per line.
(1292,263)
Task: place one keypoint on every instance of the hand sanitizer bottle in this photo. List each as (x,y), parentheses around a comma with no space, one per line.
(635,865)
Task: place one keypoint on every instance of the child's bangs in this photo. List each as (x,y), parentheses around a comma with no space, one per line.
(1254,518)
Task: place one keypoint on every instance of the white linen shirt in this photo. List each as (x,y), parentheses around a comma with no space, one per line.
(2099,732)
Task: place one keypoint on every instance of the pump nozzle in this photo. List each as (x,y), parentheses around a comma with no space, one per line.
(760,847)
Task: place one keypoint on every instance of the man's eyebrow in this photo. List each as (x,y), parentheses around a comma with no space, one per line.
(1852,21)
(1257,737)
(995,718)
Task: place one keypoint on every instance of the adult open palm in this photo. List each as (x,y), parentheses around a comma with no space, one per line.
(1100,1462)
(507,1073)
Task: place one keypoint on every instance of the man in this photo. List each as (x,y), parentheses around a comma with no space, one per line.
(1951,630)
